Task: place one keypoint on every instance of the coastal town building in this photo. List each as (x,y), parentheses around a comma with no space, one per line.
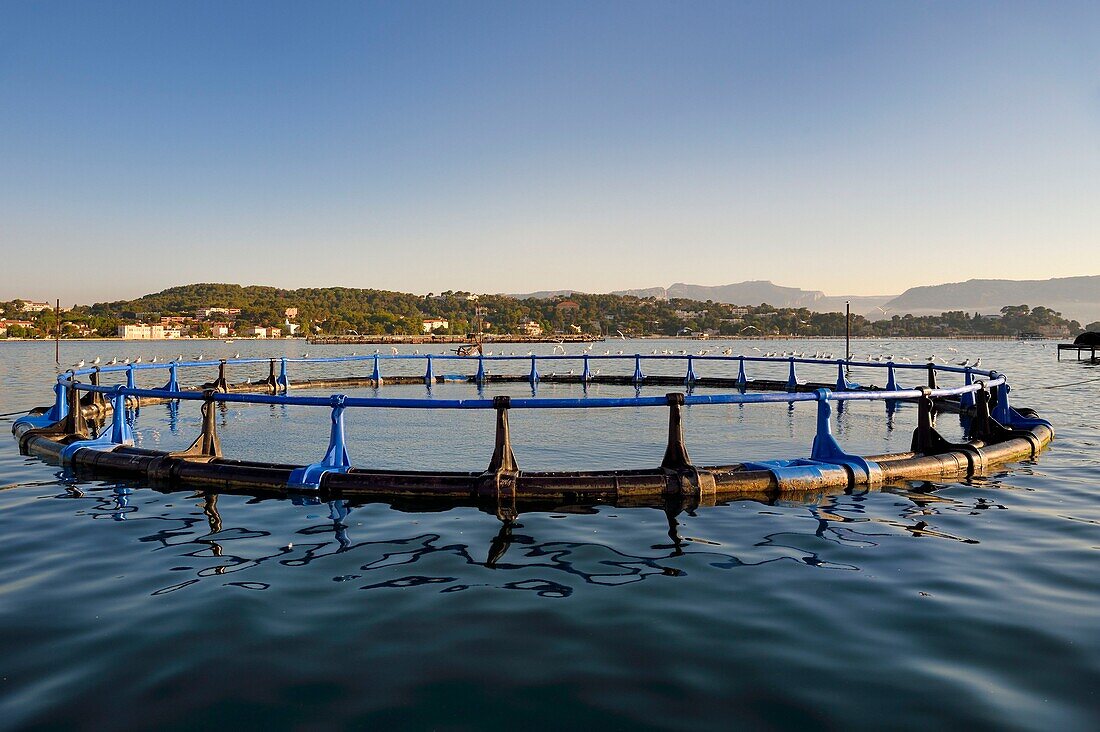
(530,328)
(291,313)
(144,332)
(6,325)
(31,306)
(432,324)
(204,313)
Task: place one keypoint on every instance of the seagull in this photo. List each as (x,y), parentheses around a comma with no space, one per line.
(964,363)
(79,364)
(978,363)
(953,350)
(621,334)
(393,350)
(96,361)
(113,361)
(154,360)
(237,354)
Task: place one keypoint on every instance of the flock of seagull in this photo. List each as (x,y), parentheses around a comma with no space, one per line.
(559,349)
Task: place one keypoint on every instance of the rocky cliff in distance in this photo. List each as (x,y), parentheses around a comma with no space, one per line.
(1077,298)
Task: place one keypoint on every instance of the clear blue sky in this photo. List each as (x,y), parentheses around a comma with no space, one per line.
(856,148)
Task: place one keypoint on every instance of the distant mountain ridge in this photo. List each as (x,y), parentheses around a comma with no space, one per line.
(1077,298)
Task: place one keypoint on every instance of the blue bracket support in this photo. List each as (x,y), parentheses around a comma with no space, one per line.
(336,457)
(130,382)
(479,377)
(842,383)
(429,374)
(283,381)
(690,378)
(121,433)
(891,380)
(533,377)
(967,400)
(741,380)
(173,383)
(827,450)
(792,377)
(55,414)
(60,408)
(639,377)
(586,373)
(825,456)
(376,377)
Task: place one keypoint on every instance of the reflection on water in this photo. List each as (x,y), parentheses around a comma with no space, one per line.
(840,519)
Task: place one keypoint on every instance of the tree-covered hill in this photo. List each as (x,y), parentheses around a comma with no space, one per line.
(340,310)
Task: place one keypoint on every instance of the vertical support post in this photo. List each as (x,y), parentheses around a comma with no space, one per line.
(94,398)
(503,460)
(121,431)
(1002,412)
(792,377)
(638,375)
(173,383)
(60,407)
(429,374)
(741,380)
(479,377)
(336,456)
(207,446)
(586,373)
(922,435)
(932,375)
(533,377)
(891,379)
(499,480)
(74,422)
(967,400)
(676,455)
(376,377)
(283,381)
(57,332)
(690,378)
(131,383)
(841,381)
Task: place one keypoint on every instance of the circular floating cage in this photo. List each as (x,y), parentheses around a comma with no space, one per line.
(87,428)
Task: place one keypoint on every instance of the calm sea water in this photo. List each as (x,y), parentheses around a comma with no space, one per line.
(973,604)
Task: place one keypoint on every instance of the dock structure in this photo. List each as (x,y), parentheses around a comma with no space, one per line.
(1089,349)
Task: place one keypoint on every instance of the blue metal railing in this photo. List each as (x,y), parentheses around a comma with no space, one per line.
(825,450)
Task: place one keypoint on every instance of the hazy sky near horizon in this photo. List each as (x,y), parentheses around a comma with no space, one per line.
(855,148)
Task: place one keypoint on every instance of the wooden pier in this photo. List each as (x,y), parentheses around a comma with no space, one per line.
(1087,348)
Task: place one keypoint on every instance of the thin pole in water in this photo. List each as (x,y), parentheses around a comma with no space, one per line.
(57,332)
(847,330)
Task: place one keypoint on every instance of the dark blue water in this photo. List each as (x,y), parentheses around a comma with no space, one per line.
(973,605)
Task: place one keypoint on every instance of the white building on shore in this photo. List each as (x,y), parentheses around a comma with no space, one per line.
(143,332)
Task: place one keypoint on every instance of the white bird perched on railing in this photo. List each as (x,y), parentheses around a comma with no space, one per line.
(393,350)
(965,362)
(978,362)
(79,364)
(237,354)
(95,361)
(137,360)
(154,359)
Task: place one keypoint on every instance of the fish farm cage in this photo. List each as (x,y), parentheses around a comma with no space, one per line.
(87,429)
